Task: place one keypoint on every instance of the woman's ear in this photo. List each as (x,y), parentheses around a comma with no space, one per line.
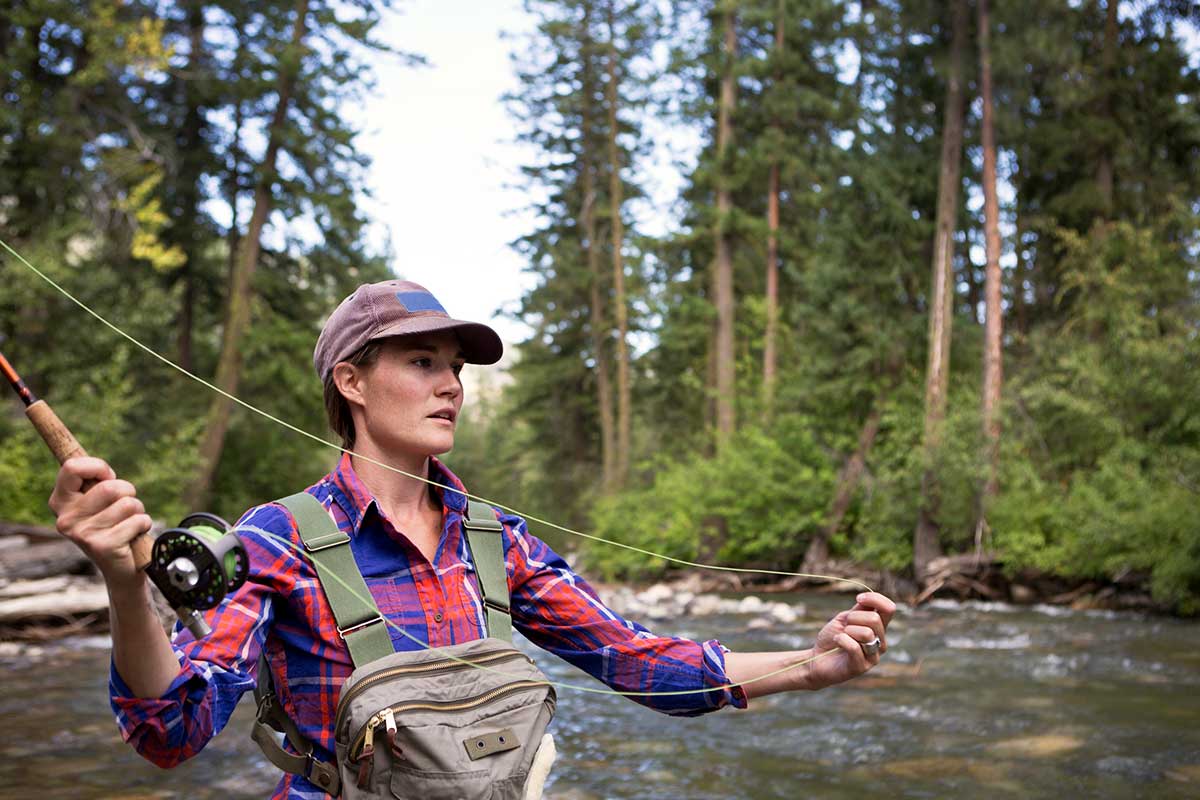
(348,379)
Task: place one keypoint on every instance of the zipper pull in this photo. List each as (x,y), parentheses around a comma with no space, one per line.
(369,736)
(389,723)
(366,756)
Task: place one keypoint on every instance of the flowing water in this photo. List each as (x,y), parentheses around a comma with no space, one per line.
(972,700)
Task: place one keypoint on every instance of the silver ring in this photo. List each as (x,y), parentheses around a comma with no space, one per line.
(870,648)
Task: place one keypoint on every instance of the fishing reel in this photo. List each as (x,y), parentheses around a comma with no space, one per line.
(195,565)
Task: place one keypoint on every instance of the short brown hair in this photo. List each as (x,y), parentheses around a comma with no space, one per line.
(337,409)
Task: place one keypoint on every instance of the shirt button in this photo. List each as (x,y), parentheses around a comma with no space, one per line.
(437,617)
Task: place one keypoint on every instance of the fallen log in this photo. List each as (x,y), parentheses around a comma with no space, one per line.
(69,603)
(42,586)
(44,560)
(25,529)
(13,542)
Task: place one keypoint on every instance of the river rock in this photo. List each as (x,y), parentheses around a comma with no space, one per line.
(1185,773)
(751,604)
(1022,595)
(783,613)
(705,605)
(930,768)
(1045,746)
(658,593)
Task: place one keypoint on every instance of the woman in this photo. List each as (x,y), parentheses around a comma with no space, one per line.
(390,358)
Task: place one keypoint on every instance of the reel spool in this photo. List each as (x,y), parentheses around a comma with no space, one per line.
(195,565)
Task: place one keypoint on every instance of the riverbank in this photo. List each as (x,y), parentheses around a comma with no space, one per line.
(48,589)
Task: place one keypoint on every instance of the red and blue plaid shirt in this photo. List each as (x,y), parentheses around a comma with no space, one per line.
(282,610)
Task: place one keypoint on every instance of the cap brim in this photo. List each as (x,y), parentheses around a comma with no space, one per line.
(480,344)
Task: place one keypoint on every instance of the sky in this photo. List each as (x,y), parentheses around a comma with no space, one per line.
(444,158)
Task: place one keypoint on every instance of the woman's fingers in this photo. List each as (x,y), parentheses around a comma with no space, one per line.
(859,661)
(74,473)
(880,604)
(861,633)
(871,620)
(125,531)
(122,507)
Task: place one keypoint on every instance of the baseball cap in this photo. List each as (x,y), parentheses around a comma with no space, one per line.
(396,308)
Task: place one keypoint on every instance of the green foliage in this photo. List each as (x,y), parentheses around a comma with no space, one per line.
(766,491)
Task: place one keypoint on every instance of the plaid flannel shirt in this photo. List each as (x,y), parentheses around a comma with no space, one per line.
(282,609)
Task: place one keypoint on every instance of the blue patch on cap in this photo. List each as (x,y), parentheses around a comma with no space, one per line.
(419,301)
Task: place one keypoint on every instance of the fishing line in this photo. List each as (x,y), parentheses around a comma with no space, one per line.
(327,443)
(560,684)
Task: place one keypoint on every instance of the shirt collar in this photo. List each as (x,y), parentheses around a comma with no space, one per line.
(356,499)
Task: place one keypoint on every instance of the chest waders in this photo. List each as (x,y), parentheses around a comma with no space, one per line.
(423,724)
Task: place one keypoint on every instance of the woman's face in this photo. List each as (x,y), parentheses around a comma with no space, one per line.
(410,397)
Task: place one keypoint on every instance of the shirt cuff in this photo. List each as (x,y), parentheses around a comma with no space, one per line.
(132,710)
(714,671)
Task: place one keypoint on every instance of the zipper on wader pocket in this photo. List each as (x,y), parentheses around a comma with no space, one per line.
(367,732)
(445,665)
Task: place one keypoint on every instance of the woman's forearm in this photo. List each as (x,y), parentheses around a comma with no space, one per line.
(783,674)
(142,653)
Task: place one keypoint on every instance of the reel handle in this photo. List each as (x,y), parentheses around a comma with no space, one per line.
(64,445)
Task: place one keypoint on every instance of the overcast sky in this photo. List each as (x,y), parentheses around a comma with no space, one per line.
(442,153)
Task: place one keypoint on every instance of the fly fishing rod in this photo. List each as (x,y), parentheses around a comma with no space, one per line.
(194,565)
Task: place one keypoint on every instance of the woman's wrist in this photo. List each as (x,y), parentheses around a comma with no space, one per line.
(129,595)
(802,676)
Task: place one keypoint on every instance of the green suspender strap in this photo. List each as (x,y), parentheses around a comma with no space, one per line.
(358,619)
(359,623)
(486,541)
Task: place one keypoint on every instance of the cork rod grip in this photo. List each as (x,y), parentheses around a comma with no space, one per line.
(64,445)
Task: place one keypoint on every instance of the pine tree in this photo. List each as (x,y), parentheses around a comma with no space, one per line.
(993,336)
(926,545)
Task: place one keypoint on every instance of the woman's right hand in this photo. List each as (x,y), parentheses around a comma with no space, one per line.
(102,519)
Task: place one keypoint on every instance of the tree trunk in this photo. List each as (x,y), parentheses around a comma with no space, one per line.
(973,290)
(926,544)
(191,144)
(772,298)
(598,329)
(1108,63)
(851,474)
(1020,270)
(722,277)
(237,318)
(994,324)
(615,191)
(596,274)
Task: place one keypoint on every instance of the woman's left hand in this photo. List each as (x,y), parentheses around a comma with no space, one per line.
(846,634)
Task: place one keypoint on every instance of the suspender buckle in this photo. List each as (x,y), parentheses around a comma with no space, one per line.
(319,543)
(344,632)
(496,606)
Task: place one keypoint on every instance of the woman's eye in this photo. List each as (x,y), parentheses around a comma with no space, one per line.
(458,369)
(423,362)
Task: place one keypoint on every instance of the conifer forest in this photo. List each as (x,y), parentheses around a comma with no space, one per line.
(930,288)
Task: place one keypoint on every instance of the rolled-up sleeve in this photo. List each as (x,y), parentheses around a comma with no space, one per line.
(214,672)
(557,610)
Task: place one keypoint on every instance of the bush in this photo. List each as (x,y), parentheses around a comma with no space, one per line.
(766,492)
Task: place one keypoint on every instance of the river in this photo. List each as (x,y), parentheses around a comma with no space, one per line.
(973,700)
